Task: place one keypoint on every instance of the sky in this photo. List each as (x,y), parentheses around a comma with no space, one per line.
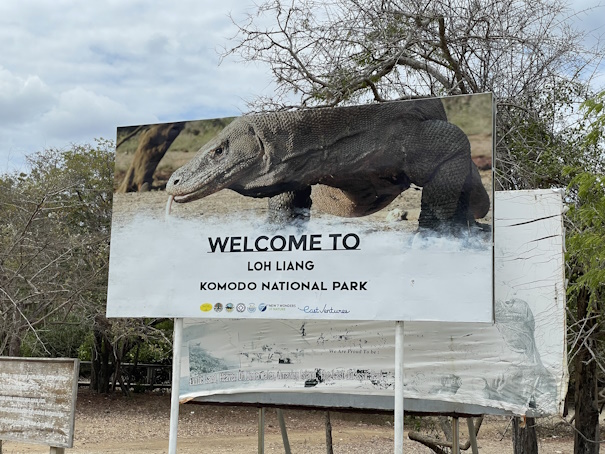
(72,71)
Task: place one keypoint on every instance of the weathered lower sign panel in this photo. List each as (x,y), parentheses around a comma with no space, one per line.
(516,366)
(37,400)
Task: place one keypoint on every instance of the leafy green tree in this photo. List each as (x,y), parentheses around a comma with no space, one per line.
(594,112)
(54,256)
(585,260)
(55,240)
(586,292)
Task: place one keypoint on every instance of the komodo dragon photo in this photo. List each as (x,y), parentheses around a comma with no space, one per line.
(362,156)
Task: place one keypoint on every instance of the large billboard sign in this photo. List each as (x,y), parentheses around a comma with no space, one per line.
(516,366)
(374,212)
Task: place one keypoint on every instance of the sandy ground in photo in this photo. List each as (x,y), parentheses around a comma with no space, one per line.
(153,204)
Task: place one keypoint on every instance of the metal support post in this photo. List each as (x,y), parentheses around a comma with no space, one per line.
(455,435)
(261,430)
(282,428)
(177,342)
(399,387)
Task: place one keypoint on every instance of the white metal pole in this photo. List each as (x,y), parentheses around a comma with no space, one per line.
(261,430)
(399,387)
(455,435)
(177,342)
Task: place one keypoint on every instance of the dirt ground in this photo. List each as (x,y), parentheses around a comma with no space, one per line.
(140,424)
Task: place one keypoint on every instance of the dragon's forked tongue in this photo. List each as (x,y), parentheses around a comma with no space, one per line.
(169,205)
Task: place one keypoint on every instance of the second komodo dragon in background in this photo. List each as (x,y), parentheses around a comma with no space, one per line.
(363,156)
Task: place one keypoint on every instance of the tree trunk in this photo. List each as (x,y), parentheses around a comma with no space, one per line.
(586,438)
(525,440)
(153,144)
(14,343)
(99,376)
(95,363)
(14,346)
(444,422)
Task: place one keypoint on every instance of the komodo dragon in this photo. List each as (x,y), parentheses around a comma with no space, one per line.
(363,156)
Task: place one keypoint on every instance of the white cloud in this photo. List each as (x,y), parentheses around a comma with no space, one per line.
(22,98)
(81,113)
(71,72)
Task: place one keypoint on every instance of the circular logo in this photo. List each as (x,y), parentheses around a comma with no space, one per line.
(229,307)
(251,307)
(206,307)
(262,307)
(218,307)
(241,307)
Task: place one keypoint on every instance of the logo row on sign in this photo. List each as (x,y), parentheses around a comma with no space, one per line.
(241,307)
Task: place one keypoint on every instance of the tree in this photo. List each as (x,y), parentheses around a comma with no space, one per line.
(347,51)
(153,144)
(54,257)
(54,245)
(526,53)
(116,341)
(585,260)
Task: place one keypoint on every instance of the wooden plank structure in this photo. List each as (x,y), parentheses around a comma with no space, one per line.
(38,400)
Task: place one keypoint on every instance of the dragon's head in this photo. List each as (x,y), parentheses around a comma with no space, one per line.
(221,163)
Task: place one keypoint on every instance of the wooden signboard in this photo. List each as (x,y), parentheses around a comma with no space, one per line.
(38,399)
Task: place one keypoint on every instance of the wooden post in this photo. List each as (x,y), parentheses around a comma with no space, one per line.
(55,450)
(329,444)
(525,440)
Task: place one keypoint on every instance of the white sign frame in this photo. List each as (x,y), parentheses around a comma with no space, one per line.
(227,263)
